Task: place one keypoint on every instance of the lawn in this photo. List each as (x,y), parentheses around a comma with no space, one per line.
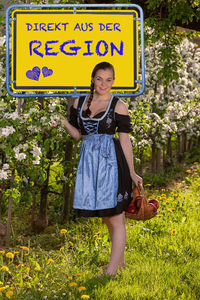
(162,254)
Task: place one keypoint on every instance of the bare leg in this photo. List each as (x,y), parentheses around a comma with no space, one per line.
(117,230)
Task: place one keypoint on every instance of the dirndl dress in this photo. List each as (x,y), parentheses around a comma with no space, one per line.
(103,184)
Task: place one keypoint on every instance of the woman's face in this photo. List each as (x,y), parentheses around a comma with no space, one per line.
(103,81)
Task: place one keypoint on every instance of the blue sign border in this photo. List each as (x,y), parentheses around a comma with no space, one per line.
(75,93)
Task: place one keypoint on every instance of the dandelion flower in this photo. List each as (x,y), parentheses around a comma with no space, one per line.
(3,288)
(2,252)
(82,288)
(9,294)
(5,268)
(12,288)
(27,270)
(69,278)
(18,284)
(85,297)
(73,284)
(63,231)
(24,248)
(188,171)
(78,274)
(10,255)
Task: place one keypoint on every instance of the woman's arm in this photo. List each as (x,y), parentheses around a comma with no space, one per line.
(125,142)
(73,131)
(128,153)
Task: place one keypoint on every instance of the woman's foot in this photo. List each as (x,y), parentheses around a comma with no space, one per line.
(122,266)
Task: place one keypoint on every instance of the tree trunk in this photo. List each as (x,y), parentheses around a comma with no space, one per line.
(158,161)
(179,152)
(66,188)
(33,209)
(153,159)
(41,222)
(9,210)
(141,163)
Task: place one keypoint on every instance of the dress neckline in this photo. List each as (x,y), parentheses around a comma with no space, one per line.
(93,118)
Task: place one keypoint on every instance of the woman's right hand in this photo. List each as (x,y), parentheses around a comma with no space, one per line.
(53,124)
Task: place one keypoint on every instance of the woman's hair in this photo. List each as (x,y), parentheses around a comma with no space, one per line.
(100,66)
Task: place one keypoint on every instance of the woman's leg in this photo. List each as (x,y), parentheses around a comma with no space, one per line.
(117,230)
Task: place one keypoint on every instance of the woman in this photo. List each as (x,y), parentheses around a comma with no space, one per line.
(105,170)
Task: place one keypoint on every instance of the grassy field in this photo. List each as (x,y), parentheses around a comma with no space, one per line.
(162,254)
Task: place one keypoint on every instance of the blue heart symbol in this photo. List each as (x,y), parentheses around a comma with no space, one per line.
(34,74)
(46,72)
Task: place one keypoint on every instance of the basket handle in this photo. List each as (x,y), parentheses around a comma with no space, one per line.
(141,189)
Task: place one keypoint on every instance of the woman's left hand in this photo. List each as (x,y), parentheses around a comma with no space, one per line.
(137,179)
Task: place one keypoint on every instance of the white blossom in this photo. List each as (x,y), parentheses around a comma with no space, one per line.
(7,131)
(20,156)
(3,174)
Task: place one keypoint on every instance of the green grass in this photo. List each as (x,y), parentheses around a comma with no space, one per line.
(162,254)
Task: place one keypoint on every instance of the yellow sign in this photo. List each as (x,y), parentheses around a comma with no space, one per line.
(58,49)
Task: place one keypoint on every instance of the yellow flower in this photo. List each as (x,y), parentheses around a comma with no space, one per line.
(156,191)
(5,268)
(12,288)
(159,215)
(78,274)
(50,260)
(10,255)
(1,282)
(99,238)
(36,269)
(169,210)
(18,284)
(82,288)
(63,231)
(18,266)
(73,284)
(195,163)
(85,297)
(62,248)
(3,288)
(188,171)
(148,184)
(69,278)
(2,252)
(24,248)
(162,190)
(71,244)
(174,231)
(9,294)
(27,270)
(16,252)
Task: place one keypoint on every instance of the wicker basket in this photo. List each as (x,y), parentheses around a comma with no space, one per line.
(145,212)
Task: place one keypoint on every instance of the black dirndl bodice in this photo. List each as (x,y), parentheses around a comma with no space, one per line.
(103,183)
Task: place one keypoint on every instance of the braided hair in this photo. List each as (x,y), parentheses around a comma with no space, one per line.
(100,66)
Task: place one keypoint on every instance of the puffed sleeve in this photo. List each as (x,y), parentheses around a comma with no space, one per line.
(123,123)
(73,117)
